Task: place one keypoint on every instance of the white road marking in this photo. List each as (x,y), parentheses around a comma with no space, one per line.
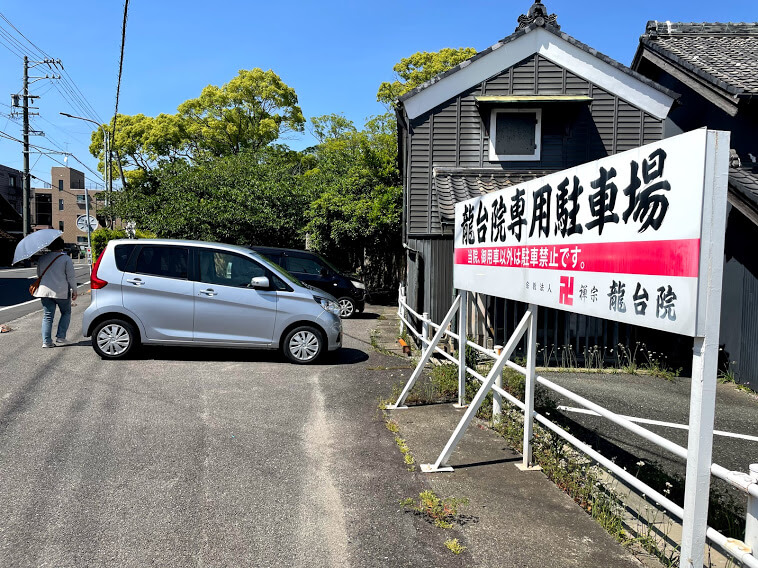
(660,423)
(34,300)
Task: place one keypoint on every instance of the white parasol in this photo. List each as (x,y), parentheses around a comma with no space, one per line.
(34,242)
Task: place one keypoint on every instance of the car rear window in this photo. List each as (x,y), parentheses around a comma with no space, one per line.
(122,254)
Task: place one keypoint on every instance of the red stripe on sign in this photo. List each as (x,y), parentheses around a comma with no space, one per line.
(660,258)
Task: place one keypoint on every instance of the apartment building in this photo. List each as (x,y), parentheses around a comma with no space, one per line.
(59,206)
(11,187)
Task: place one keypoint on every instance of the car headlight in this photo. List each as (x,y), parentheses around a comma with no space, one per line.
(329,305)
(358,285)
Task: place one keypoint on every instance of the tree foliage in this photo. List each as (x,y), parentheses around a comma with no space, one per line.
(249,112)
(246,199)
(418,68)
(252,110)
(356,213)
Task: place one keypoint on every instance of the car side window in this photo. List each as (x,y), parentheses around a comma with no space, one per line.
(227,269)
(169,262)
(303,265)
(122,254)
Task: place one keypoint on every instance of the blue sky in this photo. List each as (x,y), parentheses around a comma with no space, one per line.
(334,54)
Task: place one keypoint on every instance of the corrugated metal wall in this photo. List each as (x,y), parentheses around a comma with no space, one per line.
(570,135)
(430,276)
(739,318)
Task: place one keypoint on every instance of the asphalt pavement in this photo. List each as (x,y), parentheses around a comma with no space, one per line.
(195,457)
(203,457)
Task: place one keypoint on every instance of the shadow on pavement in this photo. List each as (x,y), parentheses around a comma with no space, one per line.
(365,316)
(345,356)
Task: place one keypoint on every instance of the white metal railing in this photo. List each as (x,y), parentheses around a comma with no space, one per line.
(743,552)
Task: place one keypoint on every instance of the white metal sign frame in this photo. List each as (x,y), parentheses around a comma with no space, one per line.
(707,211)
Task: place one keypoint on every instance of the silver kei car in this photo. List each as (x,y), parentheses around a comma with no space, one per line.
(192,293)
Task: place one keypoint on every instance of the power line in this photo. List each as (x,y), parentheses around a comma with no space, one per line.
(120,64)
(44,55)
(46,152)
(73,95)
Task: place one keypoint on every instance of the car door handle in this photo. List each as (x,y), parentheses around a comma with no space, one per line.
(136,281)
(209,292)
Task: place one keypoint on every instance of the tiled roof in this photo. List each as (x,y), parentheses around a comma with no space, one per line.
(455,185)
(725,55)
(744,179)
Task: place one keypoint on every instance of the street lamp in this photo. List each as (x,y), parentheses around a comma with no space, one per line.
(105,181)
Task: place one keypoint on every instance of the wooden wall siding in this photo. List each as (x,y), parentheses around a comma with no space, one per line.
(571,135)
(550,80)
(576,85)
(652,129)
(469,141)
(603,109)
(419,183)
(523,81)
(629,127)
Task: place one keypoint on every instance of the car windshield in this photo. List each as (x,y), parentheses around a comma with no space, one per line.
(330,265)
(278,270)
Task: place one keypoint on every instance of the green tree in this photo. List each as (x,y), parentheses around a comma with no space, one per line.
(356,212)
(331,126)
(249,112)
(248,198)
(418,68)
(252,110)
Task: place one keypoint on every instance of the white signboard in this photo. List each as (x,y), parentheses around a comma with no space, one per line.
(618,238)
(81,223)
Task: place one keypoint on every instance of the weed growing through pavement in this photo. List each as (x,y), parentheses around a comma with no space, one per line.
(392,426)
(442,513)
(454,546)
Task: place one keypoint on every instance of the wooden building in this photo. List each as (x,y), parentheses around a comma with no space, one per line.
(714,68)
(535,102)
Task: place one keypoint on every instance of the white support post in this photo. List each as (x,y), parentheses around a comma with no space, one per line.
(424,327)
(529,389)
(441,463)
(462,339)
(497,399)
(705,353)
(401,310)
(426,355)
(751,520)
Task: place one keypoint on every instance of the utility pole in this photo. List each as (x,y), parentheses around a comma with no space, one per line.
(105,179)
(26,181)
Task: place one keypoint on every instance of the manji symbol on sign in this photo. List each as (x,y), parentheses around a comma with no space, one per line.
(567,291)
(618,238)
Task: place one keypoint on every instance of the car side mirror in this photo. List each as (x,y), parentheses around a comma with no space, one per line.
(260,282)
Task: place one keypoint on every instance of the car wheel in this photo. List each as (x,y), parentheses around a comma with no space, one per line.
(113,339)
(347,307)
(303,345)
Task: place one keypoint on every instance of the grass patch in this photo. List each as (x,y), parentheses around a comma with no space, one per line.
(394,427)
(442,513)
(454,546)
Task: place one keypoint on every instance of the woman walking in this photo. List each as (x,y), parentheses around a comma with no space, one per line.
(57,288)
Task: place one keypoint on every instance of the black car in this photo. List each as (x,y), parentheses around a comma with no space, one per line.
(316,271)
